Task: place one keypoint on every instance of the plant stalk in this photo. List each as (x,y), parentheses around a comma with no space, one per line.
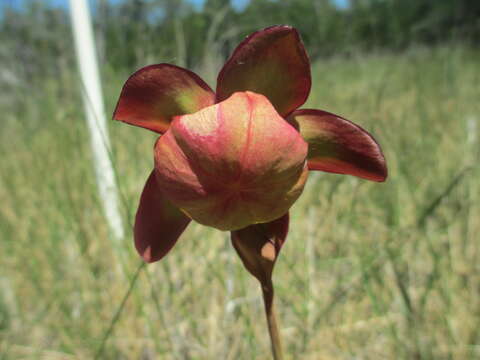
(268,296)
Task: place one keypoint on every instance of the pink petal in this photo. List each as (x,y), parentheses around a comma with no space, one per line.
(259,246)
(158,223)
(156,93)
(339,146)
(271,62)
(232,164)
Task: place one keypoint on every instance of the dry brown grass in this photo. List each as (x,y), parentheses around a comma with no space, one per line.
(370,271)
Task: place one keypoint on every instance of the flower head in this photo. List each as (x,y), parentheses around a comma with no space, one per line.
(232,164)
(238,158)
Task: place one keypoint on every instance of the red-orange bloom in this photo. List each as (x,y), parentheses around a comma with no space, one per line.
(237,159)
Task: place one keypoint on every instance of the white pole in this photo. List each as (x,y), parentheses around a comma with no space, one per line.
(94,109)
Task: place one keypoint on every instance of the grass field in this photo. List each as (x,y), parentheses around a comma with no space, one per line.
(369,271)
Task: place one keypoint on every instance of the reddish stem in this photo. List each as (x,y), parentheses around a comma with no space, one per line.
(268,296)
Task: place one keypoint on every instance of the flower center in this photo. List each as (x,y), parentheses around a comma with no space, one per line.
(232,164)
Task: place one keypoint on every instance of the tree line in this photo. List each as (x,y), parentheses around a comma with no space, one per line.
(35,38)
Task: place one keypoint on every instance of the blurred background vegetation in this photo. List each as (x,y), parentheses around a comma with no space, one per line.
(370,271)
(131,33)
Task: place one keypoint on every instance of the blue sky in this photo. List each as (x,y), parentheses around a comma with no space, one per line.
(237,3)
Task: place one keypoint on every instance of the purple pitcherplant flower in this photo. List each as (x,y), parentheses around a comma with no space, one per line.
(238,158)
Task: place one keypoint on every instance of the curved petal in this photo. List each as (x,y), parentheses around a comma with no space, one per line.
(259,245)
(272,62)
(158,224)
(339,146)
(156,93)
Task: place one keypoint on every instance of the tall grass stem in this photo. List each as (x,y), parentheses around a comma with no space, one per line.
(119,311)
